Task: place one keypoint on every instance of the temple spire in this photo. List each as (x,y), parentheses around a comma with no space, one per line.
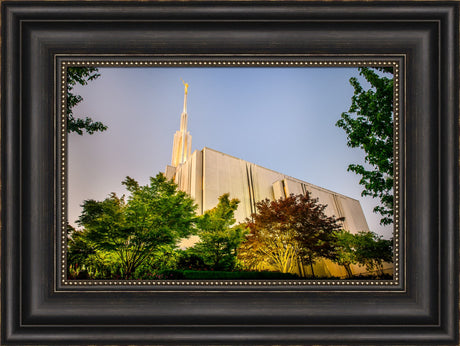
(182,138)
(185,96)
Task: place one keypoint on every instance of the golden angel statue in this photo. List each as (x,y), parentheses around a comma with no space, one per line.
(186,85)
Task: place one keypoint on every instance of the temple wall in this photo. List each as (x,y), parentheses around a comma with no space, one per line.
(243,180)
(208,174)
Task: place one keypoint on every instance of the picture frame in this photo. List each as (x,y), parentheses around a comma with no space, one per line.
(422,307)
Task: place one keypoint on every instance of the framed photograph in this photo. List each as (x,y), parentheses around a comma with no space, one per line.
(230,172)
(228,218)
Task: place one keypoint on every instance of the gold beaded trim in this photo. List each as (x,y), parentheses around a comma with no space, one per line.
(171,63)
(376,62)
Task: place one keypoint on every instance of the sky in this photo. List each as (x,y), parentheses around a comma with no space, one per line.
(279,118)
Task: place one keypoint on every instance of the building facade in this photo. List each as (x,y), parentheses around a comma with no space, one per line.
(207,174)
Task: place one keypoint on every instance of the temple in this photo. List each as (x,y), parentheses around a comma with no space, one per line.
(207,174)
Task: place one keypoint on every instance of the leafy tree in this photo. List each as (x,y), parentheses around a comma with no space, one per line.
(164,257)
(219,239)
(369,126)
(80,75)
(153,216)
(372,250)
(286,231)
(78,249)
(365,248)
(103,265)
(85,261)
(345,253)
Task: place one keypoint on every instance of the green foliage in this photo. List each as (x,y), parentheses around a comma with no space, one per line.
(219,240)
(103,264)
(78,249)
(365,248)
(369,126)
(191,259)
(85,261)
(148,224)
(345,254)
(164,257)
(286,231)
(80,75)
(372,250)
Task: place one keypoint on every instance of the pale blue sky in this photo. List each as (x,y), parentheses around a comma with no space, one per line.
(279,118)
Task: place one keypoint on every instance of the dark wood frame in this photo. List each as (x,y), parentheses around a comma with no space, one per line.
(422,309)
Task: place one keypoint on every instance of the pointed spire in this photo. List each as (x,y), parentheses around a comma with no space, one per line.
(185,96)
(182,139)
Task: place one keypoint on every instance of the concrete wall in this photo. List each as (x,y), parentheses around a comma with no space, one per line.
(243,180)
(209,174)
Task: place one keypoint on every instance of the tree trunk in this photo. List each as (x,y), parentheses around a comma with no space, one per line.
(348,269)
(380,270)
(311,266)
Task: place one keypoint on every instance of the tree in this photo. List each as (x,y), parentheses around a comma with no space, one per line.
(154,215)
(80,75)
(219,237)
(164,258)
(85,261)
(78,251)
(369,126)
(365,248)
(286,231)
(372,250)
(345,253)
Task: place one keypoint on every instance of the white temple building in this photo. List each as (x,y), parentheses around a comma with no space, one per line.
(207,174)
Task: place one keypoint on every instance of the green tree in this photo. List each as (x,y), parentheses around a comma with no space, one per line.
(366,248)
(219,237)
(345,253)
(80,75)
(77,247)
(154,215)
(286,231)
(78,251)
(369,126)
(372,250)
(85,261)
(164,258)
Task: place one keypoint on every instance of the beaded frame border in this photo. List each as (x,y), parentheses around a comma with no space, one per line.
(63,62)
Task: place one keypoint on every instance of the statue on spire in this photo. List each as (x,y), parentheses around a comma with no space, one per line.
(186,86)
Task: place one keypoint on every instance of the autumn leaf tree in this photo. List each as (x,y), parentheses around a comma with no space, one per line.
(80,75)
(287,231)
(369,126)
(132,229)
(219,236)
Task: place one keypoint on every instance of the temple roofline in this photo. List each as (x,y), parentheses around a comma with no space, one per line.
(286,176)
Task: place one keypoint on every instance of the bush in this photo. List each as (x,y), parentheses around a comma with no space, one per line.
(189,260)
